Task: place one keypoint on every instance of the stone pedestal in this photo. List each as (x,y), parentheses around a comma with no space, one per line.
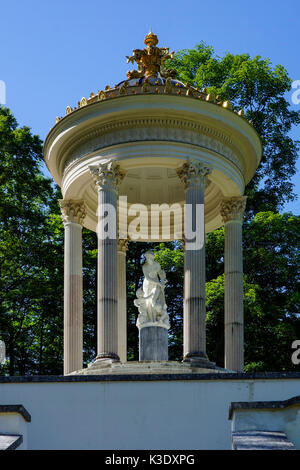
(153,343)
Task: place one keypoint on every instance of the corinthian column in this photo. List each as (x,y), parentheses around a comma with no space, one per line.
(122,307)
(107,177)
(73,213)
(232,210)
(194,177)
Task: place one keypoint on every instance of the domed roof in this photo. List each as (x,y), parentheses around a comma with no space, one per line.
(151,77)
(151,85)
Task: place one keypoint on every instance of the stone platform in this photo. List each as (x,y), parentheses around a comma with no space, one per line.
(107,366)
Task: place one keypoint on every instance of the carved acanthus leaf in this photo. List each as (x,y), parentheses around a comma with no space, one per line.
(72,210)
(107,175)
(232,208)
(193,173)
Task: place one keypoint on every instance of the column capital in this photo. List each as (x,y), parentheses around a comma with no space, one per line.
(107,175)
(232,208)
(72,210)
(123,244)
(194,173)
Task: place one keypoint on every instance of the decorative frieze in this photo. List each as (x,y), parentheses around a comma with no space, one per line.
(153,129)
(232,208)
(72,210)
(193,173)
(107,175)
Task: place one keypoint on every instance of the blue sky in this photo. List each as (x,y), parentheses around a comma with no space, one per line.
(54,52)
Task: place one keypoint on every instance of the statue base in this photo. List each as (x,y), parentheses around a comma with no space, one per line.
(153,343)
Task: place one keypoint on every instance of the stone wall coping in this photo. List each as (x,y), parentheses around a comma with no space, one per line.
(261,440)
(16,409)
(10,441)
(262,405)
(150,377)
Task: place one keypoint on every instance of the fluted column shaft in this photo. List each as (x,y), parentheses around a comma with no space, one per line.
(232,210)
(107,177)
(122,304)
(107,284)
(73,213)
(194,174)
(194,330)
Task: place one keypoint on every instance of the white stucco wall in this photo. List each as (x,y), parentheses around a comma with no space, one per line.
(15,424)
(177,414)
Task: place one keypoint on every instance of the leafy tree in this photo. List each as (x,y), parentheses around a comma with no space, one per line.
(254,85)
(31,255)
(89,248)
(271,294)
(272,266)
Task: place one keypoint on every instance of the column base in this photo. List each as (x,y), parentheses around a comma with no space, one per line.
(109,357)
(199,359)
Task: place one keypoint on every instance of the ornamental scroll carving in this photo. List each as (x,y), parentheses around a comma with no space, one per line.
(72,210)
(232,208)
(194,174)
(107,175)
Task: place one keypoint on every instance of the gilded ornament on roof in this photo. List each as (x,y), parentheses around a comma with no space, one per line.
(150,61)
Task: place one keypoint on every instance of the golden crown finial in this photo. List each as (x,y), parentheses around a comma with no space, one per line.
(151,39)
(150,61)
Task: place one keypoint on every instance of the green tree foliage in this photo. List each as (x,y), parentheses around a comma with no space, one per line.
(254,85)
(272,267)
(31,255)
(271,293)
(89,253)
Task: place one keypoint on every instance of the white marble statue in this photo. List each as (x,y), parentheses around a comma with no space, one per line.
(151,298)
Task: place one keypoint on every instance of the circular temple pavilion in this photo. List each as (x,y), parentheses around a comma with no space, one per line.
(168,162)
